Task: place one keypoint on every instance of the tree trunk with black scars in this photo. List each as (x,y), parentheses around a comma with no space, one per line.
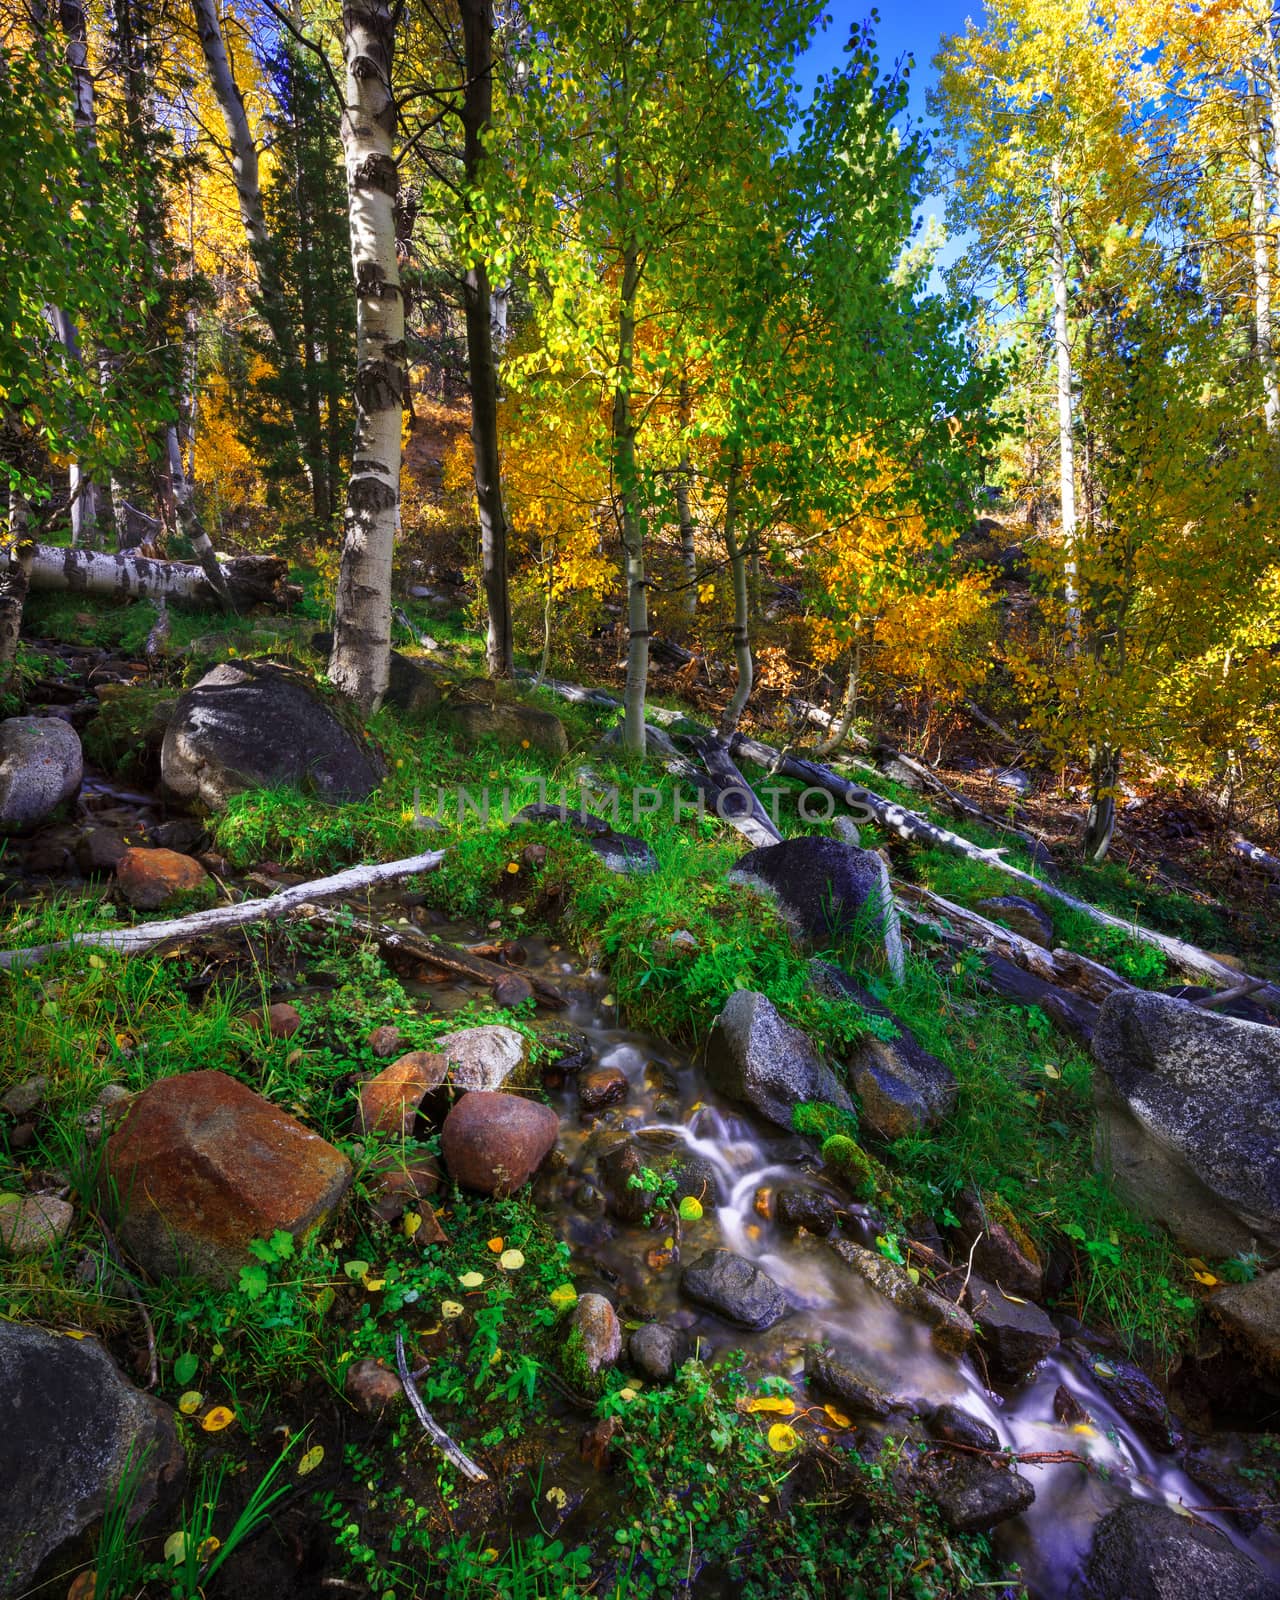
(477,109)
(245,174)
(15,576)
(741,606)
(684,515)
(1100,825)
(630,520)
(360,661)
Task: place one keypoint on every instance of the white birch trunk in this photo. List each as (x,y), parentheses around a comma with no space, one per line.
(1066,418)
(361,656)
(247,579)
(15,576)
(1259,212)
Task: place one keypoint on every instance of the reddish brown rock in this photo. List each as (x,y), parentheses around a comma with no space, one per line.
(201,1166)
(397,1187)
(152,879)
(511,991)
(371,1387)
(606,1086)
(389,1103)
(281,1022)
(493,1143)
(385,1041)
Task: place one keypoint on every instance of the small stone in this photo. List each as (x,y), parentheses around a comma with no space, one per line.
(31,1225)
(1067,1409)
(385,1041)
(605,1086)
(152,879)
(511,991)
(1016,1334)
(98,851)
(655,1350)
(806,1208)
(954,1425)
(25,1097)
(282,1020)
(598,1334)
(482,1058)
(735,1288)
(372,1387)
(389,1103)
(493,1143)
(846,830)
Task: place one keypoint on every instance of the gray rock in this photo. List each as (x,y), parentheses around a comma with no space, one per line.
(1016,1334)
(1134,1395)
(69,1423)
(32,1224)
(1144,1551)
(509,722)
(735,1288)
(999,1250)
(954,1425)
(620,852)
(1024,916)
(839,1373)
(826,889)
(901,1086)
(41,766)
(951,1328)
(1250,1313)
(846,830)
(482,1058)
(655,1351)
(756,1058)
(25,1097)
(596,1324)
(974,1495)
(251,725)
(1189,1120)
(806,1208)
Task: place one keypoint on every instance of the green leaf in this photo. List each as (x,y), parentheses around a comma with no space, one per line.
(186,1367)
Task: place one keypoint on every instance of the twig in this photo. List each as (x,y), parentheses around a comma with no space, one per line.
(443,1443)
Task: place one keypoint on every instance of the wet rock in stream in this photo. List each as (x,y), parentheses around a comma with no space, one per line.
(973,1494)
(655,1351)
(1135,1397)
(757,1059)
(1015,1333)
(952,1424)
(809,1209)
(951,1328)
(838,1373)
(602,1087)
(1142,1551)
(735,1289)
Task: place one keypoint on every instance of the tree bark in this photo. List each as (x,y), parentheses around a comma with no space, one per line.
(1100,824)
(741,607)
(361,656)
(15,577)
(838,727)
(630,522)
(1259,211)
(477,110)
(1066,419)
(688,549)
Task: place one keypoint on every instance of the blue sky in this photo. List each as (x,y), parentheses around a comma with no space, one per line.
(906,28)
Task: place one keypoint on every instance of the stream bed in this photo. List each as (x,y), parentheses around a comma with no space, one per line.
(742,1164)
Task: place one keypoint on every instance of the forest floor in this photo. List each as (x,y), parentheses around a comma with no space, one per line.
(608,1484)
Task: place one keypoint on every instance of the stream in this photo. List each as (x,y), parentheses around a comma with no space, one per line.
(669,1105)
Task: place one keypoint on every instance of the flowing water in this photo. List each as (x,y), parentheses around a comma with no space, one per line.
(670,1104)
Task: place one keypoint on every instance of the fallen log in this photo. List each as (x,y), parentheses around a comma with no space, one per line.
(736,801)
(250,580)
(443,1443)
(414,945)
(1257,855)
(149,935)
(916,829)
(911,826)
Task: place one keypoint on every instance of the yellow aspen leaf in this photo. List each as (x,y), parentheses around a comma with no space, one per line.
(1050,1071)
(449,1309)
(783,1438)
(311,1460)
(190,1402)
(208,1546)
(564,1296)
(175,1547)
(217,1419)
(511,1260)
(412,1222)
(780,1404)
(838,1417)
(471,1280)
